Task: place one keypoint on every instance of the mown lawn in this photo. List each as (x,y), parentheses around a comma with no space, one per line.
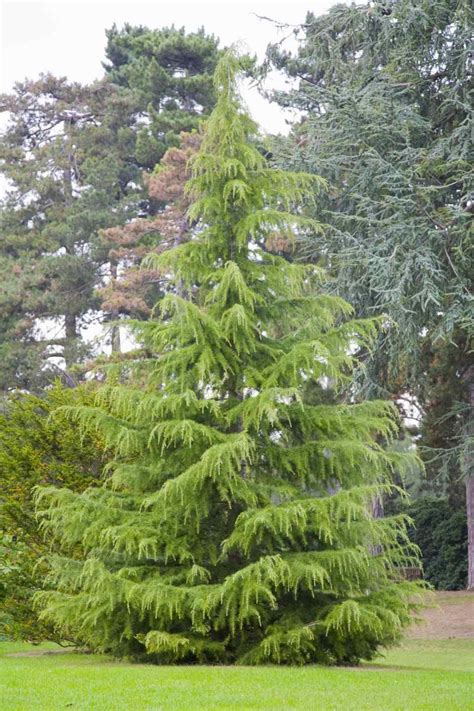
(423,674)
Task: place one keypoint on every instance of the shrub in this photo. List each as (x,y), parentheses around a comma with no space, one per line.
(441,534)
(35,449)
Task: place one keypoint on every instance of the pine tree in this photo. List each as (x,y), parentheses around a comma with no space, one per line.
(65,154)
(170,72)
(75,158)
(234,525)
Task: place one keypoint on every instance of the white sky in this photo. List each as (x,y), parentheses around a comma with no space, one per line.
(68,38)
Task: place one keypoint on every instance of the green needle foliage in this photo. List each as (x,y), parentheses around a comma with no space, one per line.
(235,524)
(36,449)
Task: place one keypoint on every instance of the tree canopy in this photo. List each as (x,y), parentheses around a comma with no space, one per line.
(171,73)
(385,91)
(36,449)
(235,523)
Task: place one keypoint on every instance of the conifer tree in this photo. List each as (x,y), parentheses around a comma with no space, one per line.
(75,158)
(170,73)
(386,92)
(234,523)
(135,290)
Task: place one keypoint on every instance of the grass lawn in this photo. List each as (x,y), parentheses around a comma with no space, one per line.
(422,674)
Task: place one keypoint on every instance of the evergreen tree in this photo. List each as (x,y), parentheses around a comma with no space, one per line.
(170,72)
(235,523)
(135,290)
(64,155)
(75,159)
(386,94)
(36,449)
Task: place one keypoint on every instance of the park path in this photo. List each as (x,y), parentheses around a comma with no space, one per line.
(451,617)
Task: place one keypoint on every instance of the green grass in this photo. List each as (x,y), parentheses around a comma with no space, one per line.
(441,654)
(421,675)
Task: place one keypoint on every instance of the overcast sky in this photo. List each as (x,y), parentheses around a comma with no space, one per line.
(68,38)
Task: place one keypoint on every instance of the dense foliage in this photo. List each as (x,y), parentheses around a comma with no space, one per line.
(441,535)
(386,94)
(35,449)
(171,74)
(235,523)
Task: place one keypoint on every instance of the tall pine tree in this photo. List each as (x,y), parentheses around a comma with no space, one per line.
(234,523)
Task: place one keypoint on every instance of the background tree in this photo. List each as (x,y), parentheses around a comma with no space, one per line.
(35,449)
(440,532)
(170,72)
(386,95)
(64,154)
(215,537)
(135,290)
(74,157)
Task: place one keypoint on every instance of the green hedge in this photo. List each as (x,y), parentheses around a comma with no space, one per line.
(441,534)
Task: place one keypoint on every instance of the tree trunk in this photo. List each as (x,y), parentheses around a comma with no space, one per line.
(115,341)
(470,531)
(377,507)
(68,168)
(377,511)
(469,473)
(70,327)
(70,319)
(116,344)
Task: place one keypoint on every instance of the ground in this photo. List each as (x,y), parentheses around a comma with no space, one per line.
(433,670)
(451,617)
